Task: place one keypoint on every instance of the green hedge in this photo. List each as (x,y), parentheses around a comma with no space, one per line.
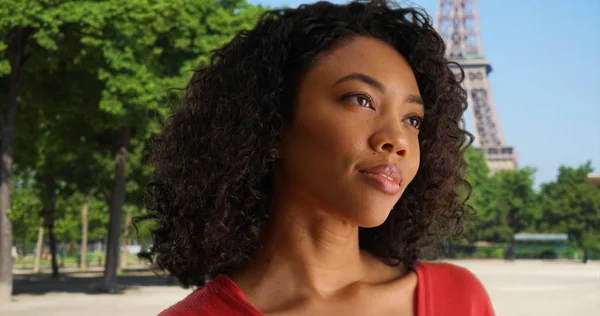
(496,251)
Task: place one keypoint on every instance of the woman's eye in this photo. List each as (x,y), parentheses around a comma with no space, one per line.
(360,99)
(415,121)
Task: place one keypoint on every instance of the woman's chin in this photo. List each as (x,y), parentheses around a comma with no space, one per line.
(373,219)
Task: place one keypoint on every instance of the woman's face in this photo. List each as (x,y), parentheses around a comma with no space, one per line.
(352,146)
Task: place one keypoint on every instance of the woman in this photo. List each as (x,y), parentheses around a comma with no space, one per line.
(310,163)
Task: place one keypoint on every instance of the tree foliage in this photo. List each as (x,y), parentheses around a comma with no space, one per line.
(94,67)
(570,205)
(507,203)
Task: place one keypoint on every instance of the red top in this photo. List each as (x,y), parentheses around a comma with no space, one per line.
(442,289)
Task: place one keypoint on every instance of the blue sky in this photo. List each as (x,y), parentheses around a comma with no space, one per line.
(545,81)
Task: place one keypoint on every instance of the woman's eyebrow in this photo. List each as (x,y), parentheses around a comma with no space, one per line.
(364,78)
(412,98)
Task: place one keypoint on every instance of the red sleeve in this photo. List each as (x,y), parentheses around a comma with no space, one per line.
(194,304)
(220,296)
(452,291)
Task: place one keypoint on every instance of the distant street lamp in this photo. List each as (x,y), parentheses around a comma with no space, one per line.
(593,178)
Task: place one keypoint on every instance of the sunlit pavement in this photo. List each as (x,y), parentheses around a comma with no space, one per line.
(517,288)
(544,288)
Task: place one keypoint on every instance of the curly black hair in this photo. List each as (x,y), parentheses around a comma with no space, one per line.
(212,186)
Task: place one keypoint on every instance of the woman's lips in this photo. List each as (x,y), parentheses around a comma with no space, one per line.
(385,177)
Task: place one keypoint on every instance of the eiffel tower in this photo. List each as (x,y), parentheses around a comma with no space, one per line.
(458,24)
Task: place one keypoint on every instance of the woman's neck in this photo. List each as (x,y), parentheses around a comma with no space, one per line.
(318,252)
(307,253)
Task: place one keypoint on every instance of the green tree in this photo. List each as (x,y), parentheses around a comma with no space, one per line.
(147,48)
(27,28)
(25,210)
(516,198)
(505,201)
(478,175)
(570,205)
(115,61)
(62,124)
(481,225)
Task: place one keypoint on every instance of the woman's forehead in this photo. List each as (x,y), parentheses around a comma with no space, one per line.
(363,55)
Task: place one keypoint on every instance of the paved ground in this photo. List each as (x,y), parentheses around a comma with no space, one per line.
(538,288)
(518,288)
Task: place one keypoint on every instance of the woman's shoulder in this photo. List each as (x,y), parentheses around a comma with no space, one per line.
(220,296)
(199,302)
(448,274)
(191,305)
(448,286)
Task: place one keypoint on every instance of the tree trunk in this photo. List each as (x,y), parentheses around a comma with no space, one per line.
(84,234)
(125,240)
(38,248)
(24,248)
(7,122)
(50,225)
(63,250)
(99,252)
(116,209)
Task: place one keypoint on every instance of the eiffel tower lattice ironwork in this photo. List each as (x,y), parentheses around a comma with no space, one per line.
(458,24)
